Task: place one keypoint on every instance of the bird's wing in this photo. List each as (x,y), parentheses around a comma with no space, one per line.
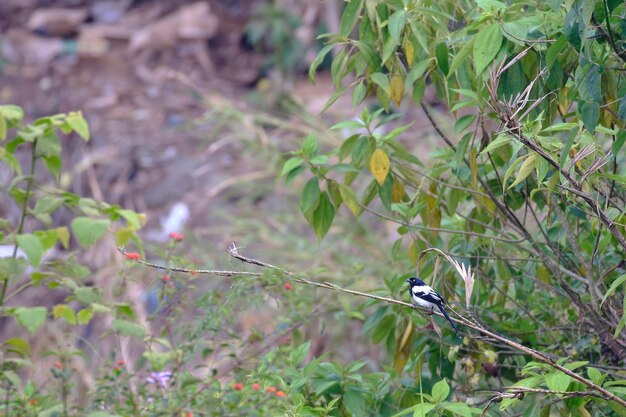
(428,294)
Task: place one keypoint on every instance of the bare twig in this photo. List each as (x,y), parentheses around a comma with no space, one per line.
(542,357)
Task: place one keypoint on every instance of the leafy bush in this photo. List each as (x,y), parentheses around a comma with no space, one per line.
(527,191)
(531,195)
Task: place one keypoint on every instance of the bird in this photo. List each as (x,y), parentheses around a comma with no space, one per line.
(424,296)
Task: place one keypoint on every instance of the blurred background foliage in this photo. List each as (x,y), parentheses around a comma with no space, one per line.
(490,130)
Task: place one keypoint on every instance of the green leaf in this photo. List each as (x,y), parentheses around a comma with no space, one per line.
(358,94)
(573,28)
(54,164)
(323,216)
(525,170)
(127,328)
(291,164)
(421,410)
(17,345)
(554,50)
(12,115)
(354,401)
(88,230)
(461,56)
(558,381)
(396,24)
(84,316)
(462,123)
(589,83)
(486,46)
(319,58)
(310,198)
(309,147)
(3,127)
(619,142)
(381,80)
(619,281)
(383,328)
(440,391)
(596,376)
(350,16)
(31,317)
(349,197)
(441,52)
(458,409)
(590,113)
(65,312)
(501,140)
(416,72)
(78,124)
(32,246)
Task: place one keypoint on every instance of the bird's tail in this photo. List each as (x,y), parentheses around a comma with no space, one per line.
(443,311)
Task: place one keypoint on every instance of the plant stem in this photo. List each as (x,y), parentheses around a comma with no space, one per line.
(542,357)
(20,227)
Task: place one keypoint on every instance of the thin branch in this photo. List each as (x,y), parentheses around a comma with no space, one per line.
(542,357)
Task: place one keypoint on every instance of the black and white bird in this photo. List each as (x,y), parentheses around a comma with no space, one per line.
(424,296)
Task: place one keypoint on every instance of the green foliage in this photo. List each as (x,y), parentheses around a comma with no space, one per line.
(534,202)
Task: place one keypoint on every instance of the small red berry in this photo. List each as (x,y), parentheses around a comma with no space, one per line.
(188,414)
(256,386)
(238,386)
(120,362)
(166,278)
(271,390)
(178,237)
(280,394)
(133,255)
(57,365)
(287,286)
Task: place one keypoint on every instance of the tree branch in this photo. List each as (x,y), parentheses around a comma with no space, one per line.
(542,357)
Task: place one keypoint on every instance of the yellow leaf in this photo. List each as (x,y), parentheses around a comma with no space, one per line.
(123,235)
(397,89)
(349,197)
(525,170)
(64,236)
(397,191)
(403,348)
(409,52)
(414,251)
(380,165)
(407,333)
(473,167)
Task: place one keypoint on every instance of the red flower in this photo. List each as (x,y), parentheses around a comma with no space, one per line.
(57,365)
(256,386)
(178,237)
(166,278)
(133,255)
(271,390)
(287,286)
(280,394)
(238,386)
(188,414)
(120,363)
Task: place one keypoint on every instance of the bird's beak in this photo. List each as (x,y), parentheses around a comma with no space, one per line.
(408,280)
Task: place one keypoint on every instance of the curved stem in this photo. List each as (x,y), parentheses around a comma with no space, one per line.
(24,209)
